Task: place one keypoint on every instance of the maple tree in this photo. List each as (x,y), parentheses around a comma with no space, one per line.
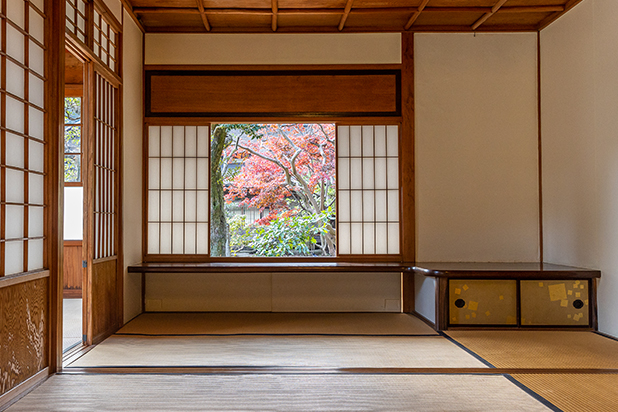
(286,171)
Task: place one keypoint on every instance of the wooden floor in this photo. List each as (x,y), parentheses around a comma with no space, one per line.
(144,368)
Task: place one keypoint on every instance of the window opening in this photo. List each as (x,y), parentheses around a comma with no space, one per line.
(72,139)
(273,191)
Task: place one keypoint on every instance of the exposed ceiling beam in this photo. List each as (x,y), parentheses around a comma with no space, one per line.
(200,7)
(346,13)
(416,14)
(275,8)
(494,9)
(549,20)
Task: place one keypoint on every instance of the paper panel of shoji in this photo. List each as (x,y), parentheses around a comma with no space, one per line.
(368,196)
(22,180)
(178,195)
(76,18)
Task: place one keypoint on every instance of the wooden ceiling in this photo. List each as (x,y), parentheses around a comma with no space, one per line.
(327,16)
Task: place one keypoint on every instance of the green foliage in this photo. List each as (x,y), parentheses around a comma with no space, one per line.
(290,235)
(240,234)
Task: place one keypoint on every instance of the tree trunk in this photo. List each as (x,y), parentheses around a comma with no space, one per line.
(219,228)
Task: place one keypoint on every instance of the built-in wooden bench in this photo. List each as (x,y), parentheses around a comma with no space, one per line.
(266,267)
(516,295)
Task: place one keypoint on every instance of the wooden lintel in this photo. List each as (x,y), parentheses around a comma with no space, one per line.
(416,14)
(486,16)
(346,13)
(275,8)
(200,7)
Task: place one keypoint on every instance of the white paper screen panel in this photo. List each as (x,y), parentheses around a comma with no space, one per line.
(368,195)
(178,189)
(22,168)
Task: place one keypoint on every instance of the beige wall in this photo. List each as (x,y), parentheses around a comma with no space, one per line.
(116,8)
(132,163)
(274,292)
(580,146)
(380,48)
(476,147)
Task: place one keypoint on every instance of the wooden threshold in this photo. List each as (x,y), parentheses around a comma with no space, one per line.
(18,392)
(201,370)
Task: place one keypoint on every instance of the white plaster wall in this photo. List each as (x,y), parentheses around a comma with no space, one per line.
(476,147)
(132,164)
(116,8)
(256,49)
(274,292)
(580,148)
(425,296)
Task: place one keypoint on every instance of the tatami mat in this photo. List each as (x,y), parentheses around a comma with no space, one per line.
(278,393)
(575,393)
(276,323)
(279,351)
(541,349)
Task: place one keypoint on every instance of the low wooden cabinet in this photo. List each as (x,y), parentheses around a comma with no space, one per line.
(513,295)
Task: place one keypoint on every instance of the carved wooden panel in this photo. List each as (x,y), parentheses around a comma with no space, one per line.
(104,299)
(23,332)
(182,93)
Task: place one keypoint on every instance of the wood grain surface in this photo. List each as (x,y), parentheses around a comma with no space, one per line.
(23,332)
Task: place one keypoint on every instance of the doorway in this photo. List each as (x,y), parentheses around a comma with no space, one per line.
(73,273)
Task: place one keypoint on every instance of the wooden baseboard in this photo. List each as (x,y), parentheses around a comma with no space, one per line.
(15,394)
(424,319)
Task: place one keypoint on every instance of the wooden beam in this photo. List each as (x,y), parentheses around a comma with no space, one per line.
(275,8)
(531,9)
(346,13)
(200,7)
(416,14)
(494,10)
(549,20)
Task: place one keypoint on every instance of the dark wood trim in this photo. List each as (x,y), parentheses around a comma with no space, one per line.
(246,370)
(11,280)
(540,271)
(54,192)
(406,154)
(407,293)
(593,304)
(242,267)
(207,121)
(269,67)
(442,299)
(540,144)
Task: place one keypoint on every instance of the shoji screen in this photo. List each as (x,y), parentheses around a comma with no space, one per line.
(178,195)
(105,168)
(368,176)
(22,141)
(76,18)
(105,41)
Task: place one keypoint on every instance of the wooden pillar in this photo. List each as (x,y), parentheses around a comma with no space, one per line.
(54,190)
(406,156)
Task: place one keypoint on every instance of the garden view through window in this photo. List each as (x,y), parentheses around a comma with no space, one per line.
(273,190)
